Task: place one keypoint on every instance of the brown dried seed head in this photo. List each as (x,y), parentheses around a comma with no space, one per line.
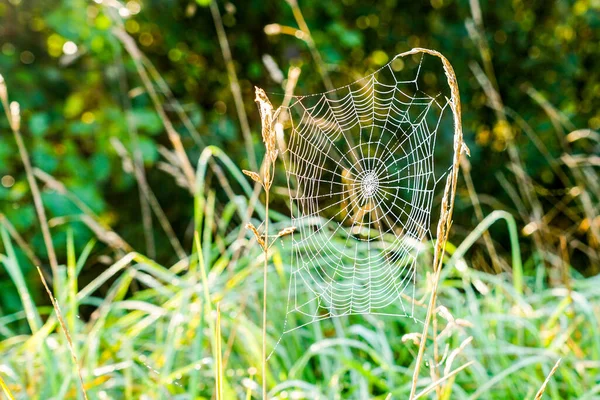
(258,236)
(253,175)
(266,117)
(286,231)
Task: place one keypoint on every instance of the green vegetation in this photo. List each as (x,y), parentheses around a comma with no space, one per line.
(137,120)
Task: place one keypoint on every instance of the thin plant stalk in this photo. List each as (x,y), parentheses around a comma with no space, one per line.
(65,331)
(489,83)
(174,137)
(185,119)
(447,208)
(19,240)
(234,84)
(540,392)
(268,119)
(153,202)
(219,360)
(264,316)
(489,244)
(13,115)
(5,389)
(138,160)
(311,44)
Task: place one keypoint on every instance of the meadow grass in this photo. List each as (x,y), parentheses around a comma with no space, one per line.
(191,330)
(164,341)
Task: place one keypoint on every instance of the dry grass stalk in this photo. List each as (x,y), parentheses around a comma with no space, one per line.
(489,84)
(562,123)
(152,200)
(13,115)
(268,119)
(179,110)
(268,134)
(489,244)
(234,83)
(65,331)
(540,392)
(437,383)
(293,74)
(54,184)
(447,208)
(174,137)
(102,232)
(307,37)
(543,238)
(292,80)
(139,170)
(19,240)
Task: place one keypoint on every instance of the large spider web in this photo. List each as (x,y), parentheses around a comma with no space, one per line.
(360,168)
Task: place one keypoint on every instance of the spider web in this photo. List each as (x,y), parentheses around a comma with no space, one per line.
(360,169)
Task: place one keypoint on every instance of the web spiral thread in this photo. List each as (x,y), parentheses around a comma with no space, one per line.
(361,173)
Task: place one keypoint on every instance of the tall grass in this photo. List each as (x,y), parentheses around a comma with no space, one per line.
(518,333)
(157,331)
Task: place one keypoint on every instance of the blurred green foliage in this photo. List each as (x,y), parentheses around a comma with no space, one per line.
(72,77)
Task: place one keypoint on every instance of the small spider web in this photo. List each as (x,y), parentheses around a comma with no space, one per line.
(360,167)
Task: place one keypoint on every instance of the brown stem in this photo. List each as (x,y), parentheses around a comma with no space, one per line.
(264,321)
(35,191)
(445,221)
(174,137)
(234,84)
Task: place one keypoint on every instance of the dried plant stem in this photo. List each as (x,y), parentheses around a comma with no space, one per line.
(264,319)
(311,44)
(19,240)
(234,84)
(447,208)
(265,178)
(487,238)
(13,115)
(54,184)
(65,331)
(138,161)
(187,122)
(438,382)
(489,84)
(174,137)
(154,204)
(293,74)
(540,392)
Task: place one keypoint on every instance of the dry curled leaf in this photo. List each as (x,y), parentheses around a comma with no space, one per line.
(259,238)
(253,175)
